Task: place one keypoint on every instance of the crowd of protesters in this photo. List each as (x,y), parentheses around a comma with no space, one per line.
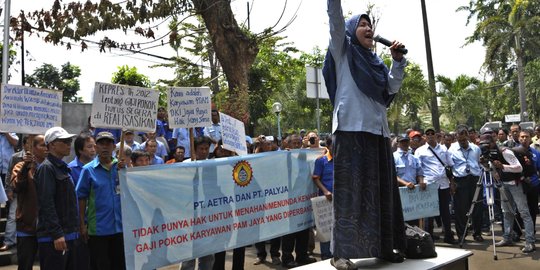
(454,162)
(67,212)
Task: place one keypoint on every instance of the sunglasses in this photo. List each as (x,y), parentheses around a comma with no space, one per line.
(66,141)
(430,133)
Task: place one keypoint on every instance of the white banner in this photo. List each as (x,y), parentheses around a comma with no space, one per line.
(29,110)
(176,212)
(233,134)
(124,106)
(189,107)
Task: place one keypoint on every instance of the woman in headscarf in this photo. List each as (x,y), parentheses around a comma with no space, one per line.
(367,207)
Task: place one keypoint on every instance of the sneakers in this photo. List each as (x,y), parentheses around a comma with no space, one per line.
(259,261)
(504,243)
(342,264)
(276,261)
(528,248)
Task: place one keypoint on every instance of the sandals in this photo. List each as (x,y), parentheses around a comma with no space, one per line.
(342,264)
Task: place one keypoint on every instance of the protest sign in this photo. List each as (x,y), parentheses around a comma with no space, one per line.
(29,110)
(186,210)
(124,106)
(324,217)
(417,203)
(189,107)
(233,134)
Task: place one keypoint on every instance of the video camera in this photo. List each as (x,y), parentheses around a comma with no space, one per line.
(488,153)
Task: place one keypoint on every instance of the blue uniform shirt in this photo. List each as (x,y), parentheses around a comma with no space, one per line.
(408,167)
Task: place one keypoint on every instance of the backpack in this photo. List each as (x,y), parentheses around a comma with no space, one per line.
(525,158)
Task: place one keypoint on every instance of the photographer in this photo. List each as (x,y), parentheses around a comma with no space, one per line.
(509,170)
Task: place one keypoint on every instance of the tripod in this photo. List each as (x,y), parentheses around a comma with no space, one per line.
(487,182)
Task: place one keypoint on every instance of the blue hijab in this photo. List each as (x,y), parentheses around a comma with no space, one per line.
(368,70)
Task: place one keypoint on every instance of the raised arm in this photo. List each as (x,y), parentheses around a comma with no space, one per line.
(337,27)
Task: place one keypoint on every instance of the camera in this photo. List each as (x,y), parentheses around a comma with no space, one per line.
(487,152)
(312,140)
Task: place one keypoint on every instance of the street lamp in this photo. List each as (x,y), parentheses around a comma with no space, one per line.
(276,108)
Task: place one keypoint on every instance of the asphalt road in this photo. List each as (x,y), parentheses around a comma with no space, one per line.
(508,257)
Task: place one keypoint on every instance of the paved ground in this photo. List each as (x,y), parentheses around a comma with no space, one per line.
(508,257)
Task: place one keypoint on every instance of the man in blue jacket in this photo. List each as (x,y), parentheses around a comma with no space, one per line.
(58,222)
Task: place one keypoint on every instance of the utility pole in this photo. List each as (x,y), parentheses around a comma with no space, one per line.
(5,49)
(431,74)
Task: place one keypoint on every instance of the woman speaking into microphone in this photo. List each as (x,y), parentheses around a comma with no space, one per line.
(367,207)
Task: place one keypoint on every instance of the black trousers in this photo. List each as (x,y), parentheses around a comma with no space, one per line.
(298,242)
(52,259)
(463,198)
(444,213)
(26,252)
(237,262)
(107,252)
(275,244)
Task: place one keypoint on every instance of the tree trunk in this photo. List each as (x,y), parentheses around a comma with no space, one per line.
(521,80)
(235,50)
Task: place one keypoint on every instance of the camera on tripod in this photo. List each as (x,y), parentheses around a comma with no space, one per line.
(488,153)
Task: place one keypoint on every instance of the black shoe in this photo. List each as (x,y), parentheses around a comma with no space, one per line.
(504,243)
(259,260)
(516,238)
(291,264)
(478,238)
(528,248)
(451,241)
(394,257)
(306,260)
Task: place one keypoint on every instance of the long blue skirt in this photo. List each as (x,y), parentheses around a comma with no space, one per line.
(367,207)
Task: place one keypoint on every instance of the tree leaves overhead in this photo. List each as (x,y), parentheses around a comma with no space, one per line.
(76,20)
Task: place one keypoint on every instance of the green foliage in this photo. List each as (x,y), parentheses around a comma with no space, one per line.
(66,79)
(129,76)
(12,55)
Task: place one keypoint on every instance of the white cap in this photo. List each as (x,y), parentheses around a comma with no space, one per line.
(57,133)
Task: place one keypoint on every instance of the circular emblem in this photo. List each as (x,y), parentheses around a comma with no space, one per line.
(242,173)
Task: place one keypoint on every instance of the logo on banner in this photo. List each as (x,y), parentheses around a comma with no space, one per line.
(242,173)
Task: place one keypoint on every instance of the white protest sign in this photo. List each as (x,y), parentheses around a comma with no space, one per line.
(29,110)
(233,134)
(324,218)
(417,203)
(189,107)
(124,106)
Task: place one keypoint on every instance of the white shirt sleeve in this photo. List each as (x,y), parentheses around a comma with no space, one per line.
(513,163)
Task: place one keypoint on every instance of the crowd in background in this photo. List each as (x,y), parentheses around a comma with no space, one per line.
(77,224)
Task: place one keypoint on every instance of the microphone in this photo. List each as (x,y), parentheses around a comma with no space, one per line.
(388,43)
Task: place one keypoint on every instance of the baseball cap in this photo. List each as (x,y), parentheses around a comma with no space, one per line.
(486,130)
(429,129)
(104,135)
(414,133)
(129,131)
(402,139)
(56,133)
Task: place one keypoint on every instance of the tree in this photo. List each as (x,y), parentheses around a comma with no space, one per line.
(234,46)
(413,97)
(510,31)
(66,79)
(12,55)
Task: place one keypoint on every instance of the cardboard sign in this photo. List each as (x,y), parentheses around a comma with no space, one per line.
(124,106)
(29,110)
(324,217)
(233,134)
(189,107)
(417,203)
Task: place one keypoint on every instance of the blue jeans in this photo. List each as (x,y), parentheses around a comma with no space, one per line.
(516,198)
(205,263)
(325,250)
(10,238)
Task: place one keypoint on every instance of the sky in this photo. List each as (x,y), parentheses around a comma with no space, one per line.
(399,20)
